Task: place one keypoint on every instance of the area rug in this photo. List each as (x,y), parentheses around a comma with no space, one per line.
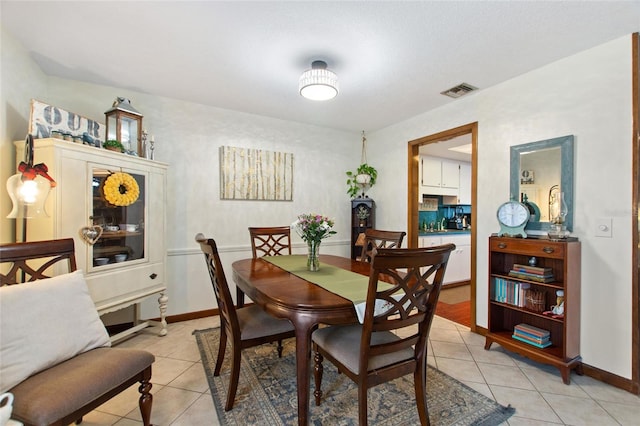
(267,393)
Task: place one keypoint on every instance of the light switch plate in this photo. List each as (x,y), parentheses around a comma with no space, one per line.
(603,227)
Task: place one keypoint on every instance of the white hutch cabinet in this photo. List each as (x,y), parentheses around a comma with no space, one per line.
(127,263)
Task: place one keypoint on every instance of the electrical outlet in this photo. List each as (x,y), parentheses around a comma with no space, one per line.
(603,227)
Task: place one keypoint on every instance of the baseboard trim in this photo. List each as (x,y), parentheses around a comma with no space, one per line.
(596,373)
(192,315)
(611,379)
(455,284)
(481,330)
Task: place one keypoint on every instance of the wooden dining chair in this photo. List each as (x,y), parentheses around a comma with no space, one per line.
(375,239)
(270,241)
(243,327)
(373,352)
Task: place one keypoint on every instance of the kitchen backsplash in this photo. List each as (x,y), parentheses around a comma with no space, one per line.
(448,212)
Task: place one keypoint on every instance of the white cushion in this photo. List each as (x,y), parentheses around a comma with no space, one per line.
(45,322)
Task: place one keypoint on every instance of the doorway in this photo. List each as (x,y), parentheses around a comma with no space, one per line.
(414,189)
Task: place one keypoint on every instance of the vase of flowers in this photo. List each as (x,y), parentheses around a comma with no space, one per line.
(313,228)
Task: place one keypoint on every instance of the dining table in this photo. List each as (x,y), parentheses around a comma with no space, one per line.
(294,296)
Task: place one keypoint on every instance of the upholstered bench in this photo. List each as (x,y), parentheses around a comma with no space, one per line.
(55,354)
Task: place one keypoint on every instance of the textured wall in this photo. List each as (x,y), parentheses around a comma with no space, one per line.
(187,137)
(587,95)
(20,79)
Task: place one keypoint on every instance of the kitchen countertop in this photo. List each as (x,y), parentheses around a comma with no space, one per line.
(445,232)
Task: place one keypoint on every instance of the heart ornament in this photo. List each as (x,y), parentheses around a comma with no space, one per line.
(91,234)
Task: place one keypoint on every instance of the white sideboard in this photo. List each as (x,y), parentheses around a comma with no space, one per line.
(76,202)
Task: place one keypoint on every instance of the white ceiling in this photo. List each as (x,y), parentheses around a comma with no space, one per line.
(392,58)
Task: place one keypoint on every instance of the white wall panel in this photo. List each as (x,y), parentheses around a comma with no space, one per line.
(20,80)
(587,95)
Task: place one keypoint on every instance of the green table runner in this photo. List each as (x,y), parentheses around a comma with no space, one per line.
(348,284)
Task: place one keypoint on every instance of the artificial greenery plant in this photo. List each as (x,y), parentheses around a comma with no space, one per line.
(352,182)
(365,175)
(113,145)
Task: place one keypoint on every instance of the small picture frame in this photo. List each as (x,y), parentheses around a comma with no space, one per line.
(527,177)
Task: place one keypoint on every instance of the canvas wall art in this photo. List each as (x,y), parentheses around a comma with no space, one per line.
(255,174)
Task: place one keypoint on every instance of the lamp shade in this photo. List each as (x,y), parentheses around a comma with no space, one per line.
(29,188)
(28,196)
(318,83)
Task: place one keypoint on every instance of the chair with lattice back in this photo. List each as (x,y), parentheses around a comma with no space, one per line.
(376,239)
(392,340)
(270,241)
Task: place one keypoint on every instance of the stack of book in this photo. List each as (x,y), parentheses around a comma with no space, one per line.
(532,273)
(511,292)
(532,335)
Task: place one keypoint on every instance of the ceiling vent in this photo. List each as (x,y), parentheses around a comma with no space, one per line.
(459,90)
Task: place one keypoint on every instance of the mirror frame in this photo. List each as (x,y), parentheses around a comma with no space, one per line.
(565,143)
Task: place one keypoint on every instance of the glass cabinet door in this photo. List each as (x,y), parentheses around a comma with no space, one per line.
(119,208)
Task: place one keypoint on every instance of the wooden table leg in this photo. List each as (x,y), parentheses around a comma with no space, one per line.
(304,328)
(239,297)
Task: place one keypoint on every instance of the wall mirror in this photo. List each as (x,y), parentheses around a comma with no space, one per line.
(540,172)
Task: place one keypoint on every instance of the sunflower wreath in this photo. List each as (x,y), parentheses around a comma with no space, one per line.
(121,189)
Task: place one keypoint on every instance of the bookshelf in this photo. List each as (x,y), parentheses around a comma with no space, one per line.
(516,298)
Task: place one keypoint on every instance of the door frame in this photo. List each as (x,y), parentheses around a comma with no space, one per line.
(635,286)
(412,200)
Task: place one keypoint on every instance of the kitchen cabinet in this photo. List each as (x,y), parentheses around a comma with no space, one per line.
(439,176)
(126,264)
(459,265)
(430,241)
(527,299)
(464,196)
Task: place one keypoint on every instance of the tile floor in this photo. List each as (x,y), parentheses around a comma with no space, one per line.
(181,393)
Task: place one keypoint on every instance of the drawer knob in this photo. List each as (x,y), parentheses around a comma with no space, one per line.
(153,276)
(548,250)
(502,245)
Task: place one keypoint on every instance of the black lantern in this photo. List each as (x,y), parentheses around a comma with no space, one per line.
(124,124)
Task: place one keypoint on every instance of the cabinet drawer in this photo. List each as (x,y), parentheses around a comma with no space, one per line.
(458,240)
(429,241)
(126,284)
(528,247)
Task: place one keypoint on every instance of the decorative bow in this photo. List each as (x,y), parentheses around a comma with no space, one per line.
(29,172)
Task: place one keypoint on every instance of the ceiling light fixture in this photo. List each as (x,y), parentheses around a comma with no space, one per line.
(318,83)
